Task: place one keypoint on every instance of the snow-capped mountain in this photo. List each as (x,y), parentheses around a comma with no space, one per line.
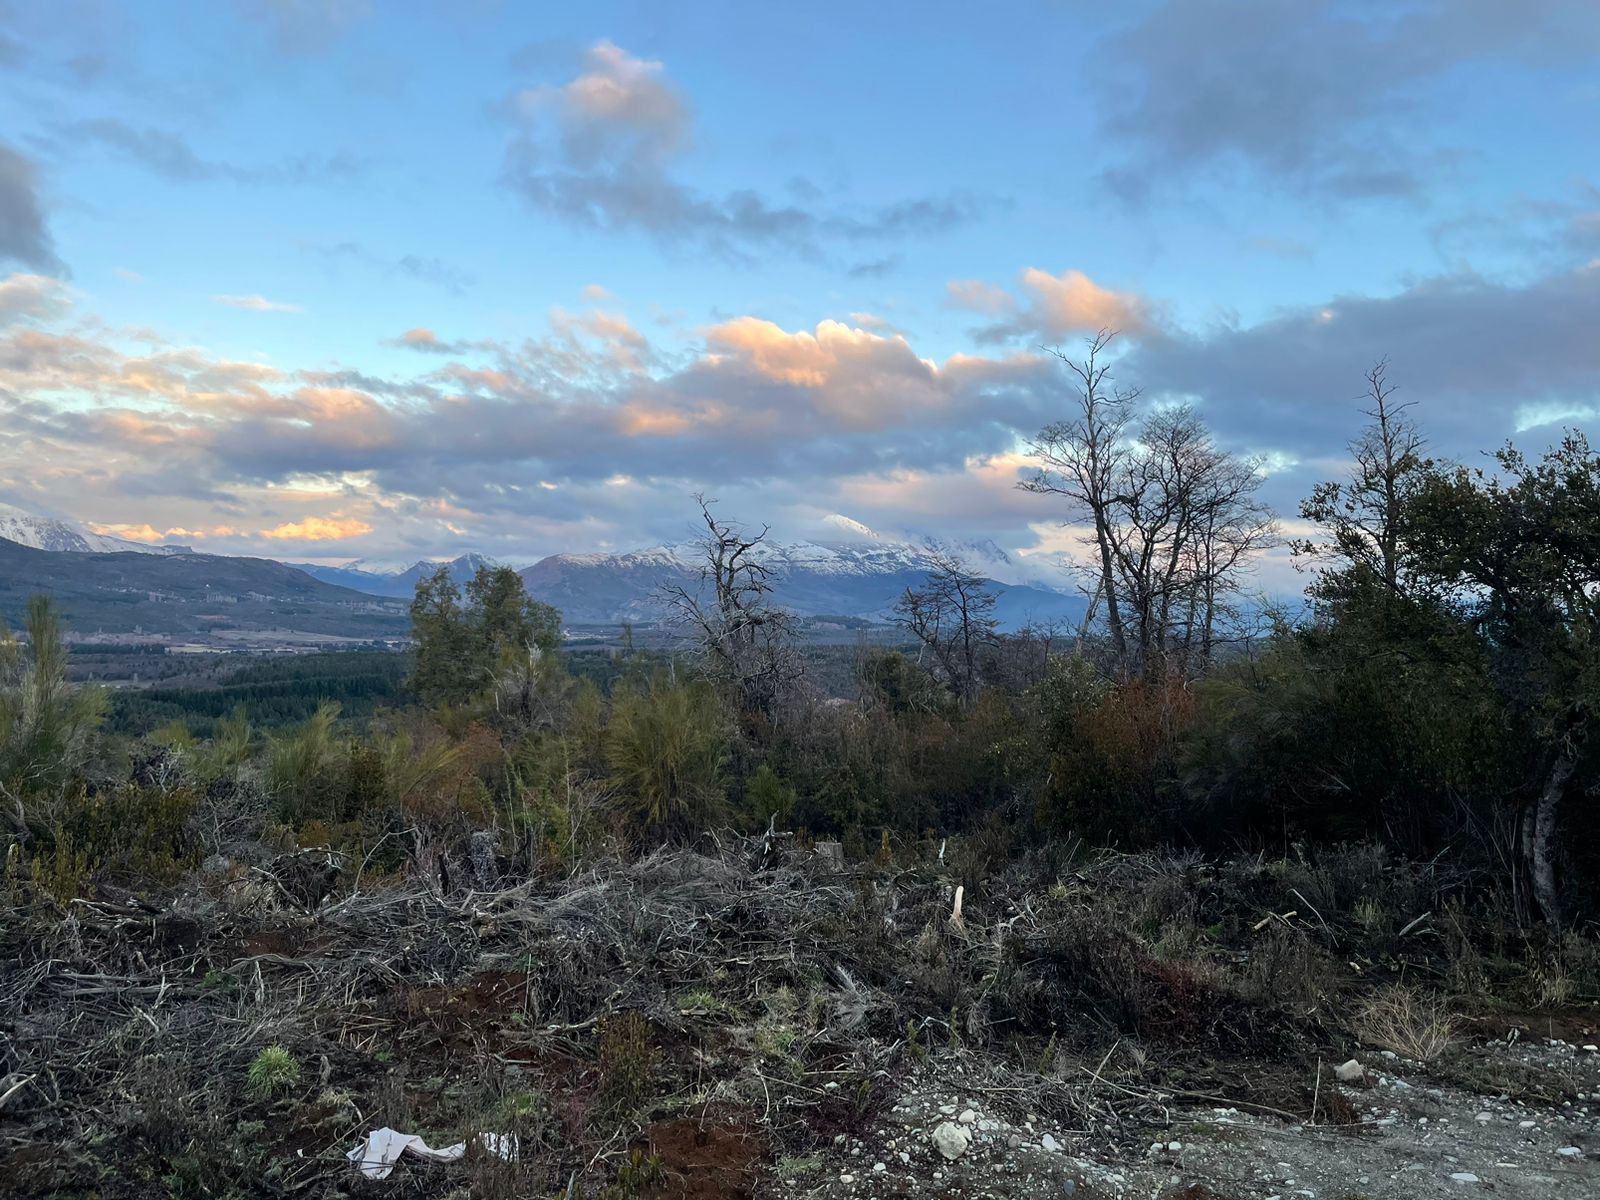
(51,533)
(856,572)
(390,579)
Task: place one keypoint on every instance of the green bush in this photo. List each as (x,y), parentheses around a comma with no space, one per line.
(666,748)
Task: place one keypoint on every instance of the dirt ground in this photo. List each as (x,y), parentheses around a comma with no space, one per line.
(1419,1131)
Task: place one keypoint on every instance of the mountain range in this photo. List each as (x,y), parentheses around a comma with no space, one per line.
(51,533)
(848,571)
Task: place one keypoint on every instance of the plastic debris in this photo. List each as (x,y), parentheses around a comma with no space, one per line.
(378,1152)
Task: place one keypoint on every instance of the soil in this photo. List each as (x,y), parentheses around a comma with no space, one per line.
(1411,1130)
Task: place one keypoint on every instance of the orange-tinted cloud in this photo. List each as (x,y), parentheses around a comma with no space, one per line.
(318,529)
(1052,306)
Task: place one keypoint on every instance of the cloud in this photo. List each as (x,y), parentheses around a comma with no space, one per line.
(1318,96)
(421,267)
(305,27)
(149,533)
(1484,359)
(589,435)
(602,152)
(424,340)
(1052,307)
(31,297)
(170,156)
(318,529)
(23,236)
(254,303)
(976,296)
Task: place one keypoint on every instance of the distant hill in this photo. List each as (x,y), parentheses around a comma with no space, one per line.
(186,594)
(851,571)
(397,584)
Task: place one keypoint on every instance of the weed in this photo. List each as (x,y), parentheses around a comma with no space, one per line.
(1414,1024)
(626,1061)
(272,1073)
(1047,1060)
(914,1045)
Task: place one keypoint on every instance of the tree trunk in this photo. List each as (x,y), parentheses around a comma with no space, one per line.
(1108,587)
(1542,845)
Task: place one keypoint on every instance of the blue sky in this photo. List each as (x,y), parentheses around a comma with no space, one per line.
(344,279)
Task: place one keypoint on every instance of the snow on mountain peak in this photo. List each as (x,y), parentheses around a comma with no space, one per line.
(850,528)
(50,533)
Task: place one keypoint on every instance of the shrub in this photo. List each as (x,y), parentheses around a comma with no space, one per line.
(1414,1024)
(666,746)
(301,768)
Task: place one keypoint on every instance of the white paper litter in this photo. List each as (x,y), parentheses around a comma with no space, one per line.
(378,1152)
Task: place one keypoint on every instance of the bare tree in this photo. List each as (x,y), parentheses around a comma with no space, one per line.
(1175,519)
(1184,523)
(745,639)
(1362,516)
(952,616)
(1081,458)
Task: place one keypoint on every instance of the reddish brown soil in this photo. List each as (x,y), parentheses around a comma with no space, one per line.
(715,1158)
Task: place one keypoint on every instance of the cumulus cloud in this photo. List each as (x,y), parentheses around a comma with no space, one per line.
(1316,95)
(256,303)
(590,436)
(24,237)
(318,529)
(604,150)
(1051,307)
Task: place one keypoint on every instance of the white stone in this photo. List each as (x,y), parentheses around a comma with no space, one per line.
(1175,1147)
(1349,1072)
(1570,1152)
(1049,1143)
(1465,1177)
(847,1179)
(967,1116)
(952,1139)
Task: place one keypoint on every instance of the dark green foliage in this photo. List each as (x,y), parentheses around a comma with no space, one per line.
(494,638)
(666,745)
(45,722)
(274,692)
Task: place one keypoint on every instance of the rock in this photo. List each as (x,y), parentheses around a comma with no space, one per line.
(1349,1072)
(1570,1152)
(1485,1117)
(967,1117)
(951,1139)
(1174,1147)
(1465,1177)
(1050,1144)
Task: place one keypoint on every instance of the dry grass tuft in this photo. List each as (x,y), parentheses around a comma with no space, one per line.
(1414,1024)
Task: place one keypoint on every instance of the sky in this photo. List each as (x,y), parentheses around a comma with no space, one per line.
(353,279)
